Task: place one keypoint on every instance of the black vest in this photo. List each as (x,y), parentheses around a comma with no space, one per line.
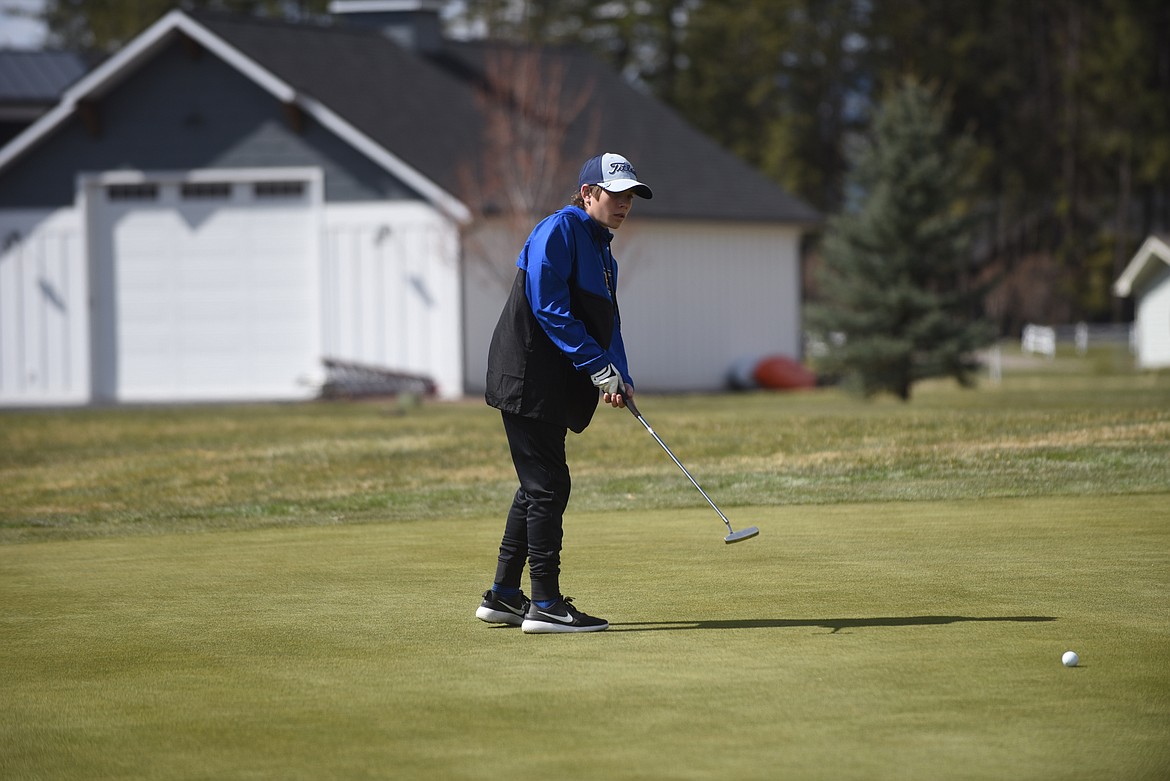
(529,376)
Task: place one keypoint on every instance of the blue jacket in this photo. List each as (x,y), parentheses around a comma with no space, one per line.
(560,324)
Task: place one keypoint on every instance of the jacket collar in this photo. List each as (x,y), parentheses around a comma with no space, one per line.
(599,231)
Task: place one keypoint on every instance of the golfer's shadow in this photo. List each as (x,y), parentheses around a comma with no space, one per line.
(834,625)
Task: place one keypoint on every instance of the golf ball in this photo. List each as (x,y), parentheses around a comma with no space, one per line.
(1070,659)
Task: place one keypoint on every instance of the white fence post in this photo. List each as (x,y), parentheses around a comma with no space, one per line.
(996,367)
(1039,339)
(1082,338)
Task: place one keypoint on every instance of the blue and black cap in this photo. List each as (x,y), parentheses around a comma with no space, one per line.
(613,173)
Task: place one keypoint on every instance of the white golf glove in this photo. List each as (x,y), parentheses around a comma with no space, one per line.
(609,379)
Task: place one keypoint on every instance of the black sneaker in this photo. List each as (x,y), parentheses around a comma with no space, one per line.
(560,617)
(502,610)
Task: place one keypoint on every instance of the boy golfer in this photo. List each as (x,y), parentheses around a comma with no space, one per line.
(557,347)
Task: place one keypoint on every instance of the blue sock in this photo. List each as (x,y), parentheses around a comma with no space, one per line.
(505,591)
(544,604)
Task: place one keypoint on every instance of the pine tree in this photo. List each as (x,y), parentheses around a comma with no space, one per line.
(897,306)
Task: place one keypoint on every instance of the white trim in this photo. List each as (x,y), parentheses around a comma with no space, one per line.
(102,76)
(107,75)
(310,174)
(1151,248)
(444,201)
(283,92)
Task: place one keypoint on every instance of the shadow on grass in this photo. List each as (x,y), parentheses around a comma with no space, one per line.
(834,624)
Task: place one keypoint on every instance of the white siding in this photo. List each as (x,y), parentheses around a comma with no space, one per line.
(391,288)
(1153,321)
(489,267)
(44,312)
(695,299)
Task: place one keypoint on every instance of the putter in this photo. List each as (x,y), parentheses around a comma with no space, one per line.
(733,535)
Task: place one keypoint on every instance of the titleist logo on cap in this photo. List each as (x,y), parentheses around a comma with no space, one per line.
(623,166)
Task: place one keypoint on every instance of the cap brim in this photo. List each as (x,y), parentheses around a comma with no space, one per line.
(621,185)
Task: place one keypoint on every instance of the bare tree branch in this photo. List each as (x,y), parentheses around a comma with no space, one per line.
(525,169)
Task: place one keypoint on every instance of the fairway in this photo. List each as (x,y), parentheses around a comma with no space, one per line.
(895,640)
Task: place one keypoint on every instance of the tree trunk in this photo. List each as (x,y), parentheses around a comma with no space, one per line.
(1121,241)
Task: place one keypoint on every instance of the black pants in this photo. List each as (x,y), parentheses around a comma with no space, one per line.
(534,531)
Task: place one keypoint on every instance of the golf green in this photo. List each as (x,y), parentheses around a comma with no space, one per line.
(896,640)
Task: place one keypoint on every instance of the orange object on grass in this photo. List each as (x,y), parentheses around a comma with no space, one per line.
(780,372)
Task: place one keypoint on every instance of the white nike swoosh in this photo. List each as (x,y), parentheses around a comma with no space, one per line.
(517,610)
(565,619)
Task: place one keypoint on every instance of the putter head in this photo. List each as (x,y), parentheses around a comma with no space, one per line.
(741,535)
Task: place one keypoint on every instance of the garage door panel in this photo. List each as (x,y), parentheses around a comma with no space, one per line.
(212,300)
(218,277)
(144,274)
(200,310)
(210,338)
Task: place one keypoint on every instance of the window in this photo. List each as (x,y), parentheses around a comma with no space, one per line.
(132,192)
(205,191)
(279,189)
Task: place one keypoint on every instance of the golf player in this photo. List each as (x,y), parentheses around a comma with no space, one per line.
(556,350)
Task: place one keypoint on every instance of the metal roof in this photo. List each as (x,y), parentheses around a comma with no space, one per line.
(37,76)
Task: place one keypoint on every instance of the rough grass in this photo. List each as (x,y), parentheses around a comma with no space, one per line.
(87,473)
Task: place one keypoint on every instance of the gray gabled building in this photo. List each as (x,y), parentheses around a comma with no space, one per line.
(228,201)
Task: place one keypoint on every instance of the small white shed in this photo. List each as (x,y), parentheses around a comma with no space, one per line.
(1147,279)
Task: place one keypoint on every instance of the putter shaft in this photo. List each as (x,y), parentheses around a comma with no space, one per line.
(634,409)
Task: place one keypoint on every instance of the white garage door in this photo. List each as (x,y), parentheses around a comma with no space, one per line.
(205,288)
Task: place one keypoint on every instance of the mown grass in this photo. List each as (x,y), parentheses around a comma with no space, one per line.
(286,591)
(897,640)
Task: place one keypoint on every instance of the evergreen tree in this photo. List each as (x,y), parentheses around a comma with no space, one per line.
(897,306)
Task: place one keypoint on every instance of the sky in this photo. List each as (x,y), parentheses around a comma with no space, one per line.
(17,29)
